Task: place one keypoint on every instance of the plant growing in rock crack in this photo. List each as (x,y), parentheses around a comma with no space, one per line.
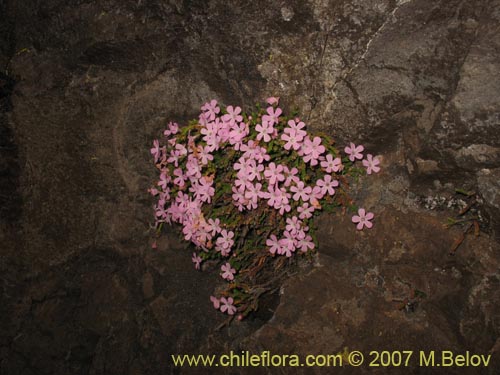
(245,187)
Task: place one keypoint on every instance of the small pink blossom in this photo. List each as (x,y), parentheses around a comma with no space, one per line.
(165,179)
(173,128)
(227,305)
(305,244)
(265,131)
(287,244)
(292,140)
(233,115)
(293,225)
(237,134)
(272,116)
(296,127)
(327,184)
(305,211)
(225,242)
(214,226)
(312,150)
(196,260)
(227,271)
(204,155)
(274,173)
(354,152)
(363,219)
(252,193)
(301,191)
(272,195)
(273,244)
(215,301)
(273,100)
(210,110)
(254,170)
(371,163)
(291,176)
(180,178)
(242,164)
(155,151)
(331,165)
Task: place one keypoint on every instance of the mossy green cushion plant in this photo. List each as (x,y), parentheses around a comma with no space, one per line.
(244,189)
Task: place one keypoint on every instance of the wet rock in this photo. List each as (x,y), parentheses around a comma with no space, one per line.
(489,185)
(148,285)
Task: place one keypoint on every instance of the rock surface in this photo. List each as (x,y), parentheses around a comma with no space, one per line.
(84,88)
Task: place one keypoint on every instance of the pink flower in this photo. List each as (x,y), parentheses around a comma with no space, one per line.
(265,131)
(331,165)
(214,226)
(215,301)
(242,180)
(371,164)
(155,151)
(301,191)
(363,219)
(225,242)
(173,128)
(272,195)
(180,177)
(174,158)
(272,116)
(312,150)
(204,155)
(287,244)
(255,152)
(283,206)
(239,195)
(210,135)
(211,110)
(203,189)
(273,244)
(237,134)
(316,195)
(327,185)
(227,271)
(274,173)
(196,260)
(227,305)
(164,180)
(290,176)
(297,128)
(354,152)
(293,225)
(273,100)
(254,170)
(242,165)
(292,140)
(252,193)
(305,243)
(305,211)
(233,115)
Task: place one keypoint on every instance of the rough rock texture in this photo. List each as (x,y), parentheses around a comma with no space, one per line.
(86,85)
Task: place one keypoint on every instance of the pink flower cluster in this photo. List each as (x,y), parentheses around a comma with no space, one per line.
(186,182)
(224,304)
